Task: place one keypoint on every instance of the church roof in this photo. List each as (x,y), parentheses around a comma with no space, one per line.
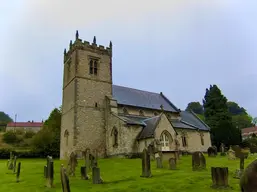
(148,130)
(144,99)
(191,119)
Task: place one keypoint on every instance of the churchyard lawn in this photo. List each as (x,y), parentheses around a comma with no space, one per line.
(121,175)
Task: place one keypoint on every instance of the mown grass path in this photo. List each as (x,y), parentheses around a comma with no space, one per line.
(121,175)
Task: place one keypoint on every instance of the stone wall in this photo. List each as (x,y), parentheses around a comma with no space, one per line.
(33,129)
(127,135)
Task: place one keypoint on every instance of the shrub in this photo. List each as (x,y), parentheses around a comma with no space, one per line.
(10,137)
(29,134)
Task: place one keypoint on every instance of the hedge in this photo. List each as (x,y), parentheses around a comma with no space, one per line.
(5,154)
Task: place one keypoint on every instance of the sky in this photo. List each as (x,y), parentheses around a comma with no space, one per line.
(177,47)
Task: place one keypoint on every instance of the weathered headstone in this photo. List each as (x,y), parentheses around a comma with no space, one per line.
(172,163)
(87,159)
(231,154)
(198,161)
(14,164)
(211,152)
(219,177)
(158,162)
(94,159)
(18,172)
(216,150)
(65,180)
(249,177)
(96,178)
(240,171)
(50,172)
(83,171)
(72,164)
(10,164)
(222,150)
(146,164)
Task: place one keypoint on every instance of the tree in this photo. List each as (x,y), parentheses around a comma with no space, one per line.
(235,109)
(242,121)
(196,107)
(47,140)
(218,117)
(5,118)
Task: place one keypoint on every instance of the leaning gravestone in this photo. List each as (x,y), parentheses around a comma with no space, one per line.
(65,180)
(96,178)
(249,177)
(219,177)
(146,164)
(50,172)
(198,161)
(172,163)
(72,164)
(18,172)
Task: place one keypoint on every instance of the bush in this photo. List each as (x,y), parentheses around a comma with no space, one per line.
(10,137)
(5,154)
(29,134)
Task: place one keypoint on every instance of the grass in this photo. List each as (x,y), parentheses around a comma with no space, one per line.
(121,175)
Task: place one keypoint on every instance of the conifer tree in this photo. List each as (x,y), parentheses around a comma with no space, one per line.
(219,119)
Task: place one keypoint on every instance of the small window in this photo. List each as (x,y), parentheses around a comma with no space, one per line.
(95,67)
(202,138)
(96,105)
(184,141)
(141,113)
(115,137)
(91,67)
(125,111)
(66,136)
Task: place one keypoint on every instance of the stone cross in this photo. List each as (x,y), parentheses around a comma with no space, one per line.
(146,164)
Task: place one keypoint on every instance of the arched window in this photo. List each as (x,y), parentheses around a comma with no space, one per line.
(115,137)
(166,141)
(202,138)
(125,111)
(66,136)
(91,68)
(141,113)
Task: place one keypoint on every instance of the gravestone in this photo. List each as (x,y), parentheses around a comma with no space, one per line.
(83,171)
(198,161)
(10,164)
(216,150)
(231,154)
(240,171)
(45,171)
(211,152)
(172,163)
(18,172)
(151,150)
(94,159)
(158,161)
(222,150)
(72,164)
(96,178)
(219,177)
(249,177)
(146,164)
(87,159)
(64,180)
(50,172)
(14,164)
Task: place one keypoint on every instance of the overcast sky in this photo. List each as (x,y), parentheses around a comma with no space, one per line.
(177,47)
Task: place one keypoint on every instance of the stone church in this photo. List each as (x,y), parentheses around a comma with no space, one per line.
(117,120)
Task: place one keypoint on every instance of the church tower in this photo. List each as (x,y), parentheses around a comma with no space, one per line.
(87,80)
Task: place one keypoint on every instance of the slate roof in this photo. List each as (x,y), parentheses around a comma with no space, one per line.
(144,99)
(148,130)
(191,119)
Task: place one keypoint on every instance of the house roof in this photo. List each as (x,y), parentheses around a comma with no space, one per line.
(144,99)
(25,124)
(249,130)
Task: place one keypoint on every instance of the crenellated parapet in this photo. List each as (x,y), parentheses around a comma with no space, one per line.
(78,44)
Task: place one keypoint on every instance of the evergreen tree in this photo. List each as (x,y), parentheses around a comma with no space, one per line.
(218,117)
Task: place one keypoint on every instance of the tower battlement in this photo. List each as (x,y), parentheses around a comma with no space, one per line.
(79,44)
